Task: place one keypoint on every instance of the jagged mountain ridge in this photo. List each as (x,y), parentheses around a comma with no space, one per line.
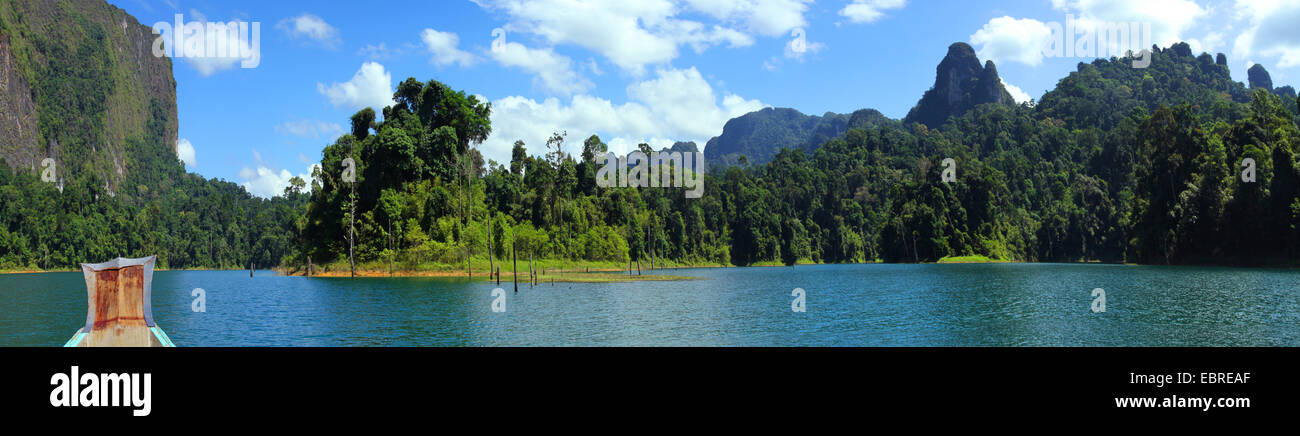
(961,84)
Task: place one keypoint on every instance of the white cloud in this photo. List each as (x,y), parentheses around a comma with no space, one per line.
(185,152)
(700,38)
(1017,94)
(868,11)
(311,27)
(554,73)
(764,17)
(1271,31)
(443,47)
(1209,43)
(266,182)
(1170,19)
(677,105)
(233,48)
(310,129)
(1009,39)
(634,34)
(371,86)
(613,29)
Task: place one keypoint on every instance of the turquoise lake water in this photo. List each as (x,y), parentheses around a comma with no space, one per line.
(846,305)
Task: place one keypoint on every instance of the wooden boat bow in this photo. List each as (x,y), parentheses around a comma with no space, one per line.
(119,308)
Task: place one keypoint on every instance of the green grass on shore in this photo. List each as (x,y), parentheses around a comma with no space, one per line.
(970,259)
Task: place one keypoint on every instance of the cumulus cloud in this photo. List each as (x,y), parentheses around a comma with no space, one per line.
(443,47)
(185,152)
(310,27)
(1208,43)
(613,29)
(764,17)
(1017,94)
(265,182)
(868,11)
(633,35)
(310,129)
(1271,31)
(676,105)
(553,73)
(700,37)
(371,86)
(1009,39)
(1170,19)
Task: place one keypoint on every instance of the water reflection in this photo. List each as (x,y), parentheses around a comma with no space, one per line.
(847,305)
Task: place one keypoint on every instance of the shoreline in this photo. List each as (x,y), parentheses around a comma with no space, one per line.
(47,271)
(544,275)
(508,278)
(623,272)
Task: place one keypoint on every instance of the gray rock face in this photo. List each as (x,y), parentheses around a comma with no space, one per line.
(40,36)
(960,84)
(1259,78)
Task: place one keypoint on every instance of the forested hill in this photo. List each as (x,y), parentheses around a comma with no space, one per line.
(755,137)
(79,85)
(1101,94)
(961,83)
(1116,164)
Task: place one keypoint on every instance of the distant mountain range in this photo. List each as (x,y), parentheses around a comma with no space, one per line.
(754,138)
(961,83)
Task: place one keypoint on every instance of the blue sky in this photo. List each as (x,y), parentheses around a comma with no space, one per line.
(652,71)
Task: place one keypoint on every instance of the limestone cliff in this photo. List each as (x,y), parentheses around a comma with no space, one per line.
(960,84)
(79,83)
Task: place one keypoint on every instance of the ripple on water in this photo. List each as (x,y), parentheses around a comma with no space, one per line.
(847,305)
